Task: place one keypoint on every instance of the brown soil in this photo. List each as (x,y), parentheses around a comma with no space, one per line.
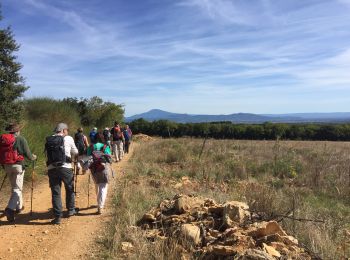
(33,237)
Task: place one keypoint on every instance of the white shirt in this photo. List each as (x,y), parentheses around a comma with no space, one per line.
(69,149)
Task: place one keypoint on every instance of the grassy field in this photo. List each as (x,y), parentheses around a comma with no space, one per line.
(302,180)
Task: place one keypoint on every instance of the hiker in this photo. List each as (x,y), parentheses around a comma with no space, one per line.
(129,134)
(92,135)
(82,143)
(117,142)
(129,131)
(13,150)
(60,150)
(107,136)
(100,169)
(126,140)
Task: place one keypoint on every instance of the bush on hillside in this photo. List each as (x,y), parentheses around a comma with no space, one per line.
(50,111)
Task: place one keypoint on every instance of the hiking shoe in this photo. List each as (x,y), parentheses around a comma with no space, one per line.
(19,210)
(10,214)
(56,221)
(71,213)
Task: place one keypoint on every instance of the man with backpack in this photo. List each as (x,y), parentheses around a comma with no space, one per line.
(107,136)
(92,135)
(81,141)
(126,140)
(100,169)
(61,150)
(13,150)
(117,142)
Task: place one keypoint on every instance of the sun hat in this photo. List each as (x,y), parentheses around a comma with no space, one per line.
(12,128)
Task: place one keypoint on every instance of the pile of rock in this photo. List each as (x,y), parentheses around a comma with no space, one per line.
(211,230)
(142,138)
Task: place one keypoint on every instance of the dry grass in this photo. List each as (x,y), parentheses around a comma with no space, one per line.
(306,179)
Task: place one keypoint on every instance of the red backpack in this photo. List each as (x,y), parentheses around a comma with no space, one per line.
(117,133)
(9,155)
(98,158)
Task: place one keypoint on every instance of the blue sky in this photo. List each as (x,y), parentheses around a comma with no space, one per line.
(187,56)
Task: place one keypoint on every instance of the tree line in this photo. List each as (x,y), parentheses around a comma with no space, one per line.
(229,130)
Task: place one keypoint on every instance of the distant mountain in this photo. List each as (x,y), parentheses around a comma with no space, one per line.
(157,114)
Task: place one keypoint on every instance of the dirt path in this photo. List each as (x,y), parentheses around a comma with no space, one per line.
(33,237)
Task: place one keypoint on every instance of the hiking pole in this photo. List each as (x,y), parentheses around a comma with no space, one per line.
(76,178)
(32,190)
(3,181)
(89,191)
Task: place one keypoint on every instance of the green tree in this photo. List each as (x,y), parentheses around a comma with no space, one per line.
(12,84)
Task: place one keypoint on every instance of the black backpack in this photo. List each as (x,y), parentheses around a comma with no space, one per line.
(79,142)
(54,148)
(106,135)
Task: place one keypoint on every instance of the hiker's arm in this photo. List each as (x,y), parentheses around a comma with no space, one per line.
(86,142)
(73,149)
(88,151)
(23,149)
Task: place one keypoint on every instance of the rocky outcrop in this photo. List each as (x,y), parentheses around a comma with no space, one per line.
(219,231)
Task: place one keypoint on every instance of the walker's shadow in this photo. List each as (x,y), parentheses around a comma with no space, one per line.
(82,213)
(37,218)
(28,219)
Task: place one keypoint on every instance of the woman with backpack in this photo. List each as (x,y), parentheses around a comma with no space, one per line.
(13,150)
(100,169)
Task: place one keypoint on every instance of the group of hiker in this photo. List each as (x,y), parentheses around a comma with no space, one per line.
(65,158)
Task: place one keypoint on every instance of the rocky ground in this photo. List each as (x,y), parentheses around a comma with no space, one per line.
(209,230)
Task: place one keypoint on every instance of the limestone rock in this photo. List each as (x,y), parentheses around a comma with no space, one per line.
(267,228)
(220,250)
(148,217)
(255,254)
(186,203)
(271,251)
(191,233)
(235,212)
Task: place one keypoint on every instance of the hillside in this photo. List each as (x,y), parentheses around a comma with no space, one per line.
(157,114)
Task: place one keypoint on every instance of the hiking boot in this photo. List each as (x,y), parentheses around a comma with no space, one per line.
(56,221)
(71,213)
(19,210)
(10,214)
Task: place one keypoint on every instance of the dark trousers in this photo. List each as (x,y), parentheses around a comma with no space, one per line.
(56,177)
(126,146)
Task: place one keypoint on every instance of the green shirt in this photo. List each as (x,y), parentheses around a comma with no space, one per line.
(98,147)
(22,147)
